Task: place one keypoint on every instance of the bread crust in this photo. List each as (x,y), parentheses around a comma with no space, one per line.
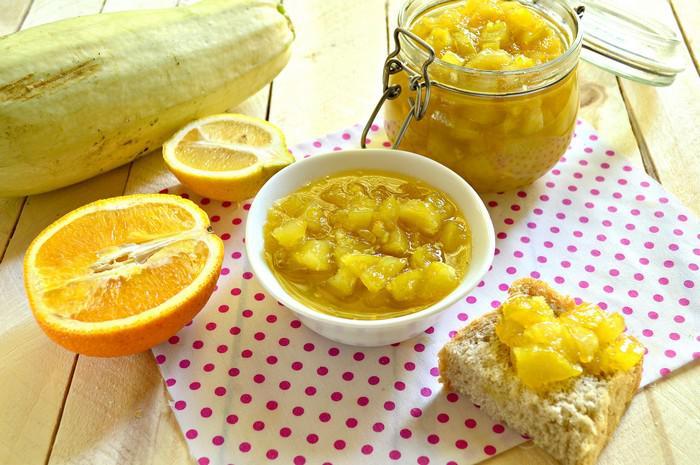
(571,442)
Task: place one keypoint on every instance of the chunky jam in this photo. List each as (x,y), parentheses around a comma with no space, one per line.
(546,348)
(367,245)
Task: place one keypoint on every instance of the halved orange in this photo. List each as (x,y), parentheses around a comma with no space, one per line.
(120,275)
(227,156)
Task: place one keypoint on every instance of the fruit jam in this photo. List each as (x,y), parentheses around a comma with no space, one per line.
(367,245)
(546,348)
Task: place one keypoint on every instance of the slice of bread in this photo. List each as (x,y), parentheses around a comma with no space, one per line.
(572,420)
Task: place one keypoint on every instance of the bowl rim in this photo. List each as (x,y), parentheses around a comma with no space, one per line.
(257,260)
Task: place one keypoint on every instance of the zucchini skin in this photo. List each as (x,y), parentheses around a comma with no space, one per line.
(85,95)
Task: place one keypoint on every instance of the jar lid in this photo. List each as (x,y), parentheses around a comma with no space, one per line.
(636,48)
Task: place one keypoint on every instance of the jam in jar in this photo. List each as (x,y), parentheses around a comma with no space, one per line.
(498,84)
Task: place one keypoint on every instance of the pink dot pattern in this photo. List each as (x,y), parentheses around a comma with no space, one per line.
(250,384)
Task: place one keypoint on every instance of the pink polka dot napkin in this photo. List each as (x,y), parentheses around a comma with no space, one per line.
(251,385)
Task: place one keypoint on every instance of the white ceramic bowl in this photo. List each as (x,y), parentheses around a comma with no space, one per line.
(370,332)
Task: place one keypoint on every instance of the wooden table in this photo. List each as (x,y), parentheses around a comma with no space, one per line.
(57,407)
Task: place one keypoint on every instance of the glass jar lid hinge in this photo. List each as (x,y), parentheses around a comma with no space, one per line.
(418,83)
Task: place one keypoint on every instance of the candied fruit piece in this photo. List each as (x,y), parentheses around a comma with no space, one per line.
(358,218)
(453,235)
(533,121)
(389,211)
(424,25)
(494,36)
(345,244)
(358,262)
(315,218)
(449,19)
(537,367)
(509,332)
(342,283)
(314,255)
(406,286)
(587,315)
(439,279)
(490,60)
(583,341)
(292,205)
(440,39)
(425,255)
(420,215)
(380,232)
(545,333)
(521,62)
(610,328)
(452,58)
(397,244)
(527,310)
(464,43)
(621,354)
(290,234)
(377,276)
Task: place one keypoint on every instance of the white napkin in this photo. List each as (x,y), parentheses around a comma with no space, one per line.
(251,385)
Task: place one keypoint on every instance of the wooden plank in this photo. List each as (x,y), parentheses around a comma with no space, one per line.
(117,409)
(665,119)
(13,13)
(36,371)
(334,78)
(46,11)
(687,15)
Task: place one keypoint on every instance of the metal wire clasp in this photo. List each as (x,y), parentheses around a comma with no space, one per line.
(419,83)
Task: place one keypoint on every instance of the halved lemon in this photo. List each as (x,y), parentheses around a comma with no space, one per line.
(120,275)
(226,156)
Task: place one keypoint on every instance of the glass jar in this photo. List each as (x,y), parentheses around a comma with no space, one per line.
(497,129)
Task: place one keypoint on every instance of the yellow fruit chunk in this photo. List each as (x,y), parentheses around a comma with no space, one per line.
(517,36)
(120,275)
(582,341)
(406,286)
(545,333)
(418,214)
(314,255)
(537,367)
(425,255)
(226,156)
(510,333)
(527,310)
(377,276)
(495,36)
(610,328)
(586,315)
(490,59)
(315,218)
(453,235)
(343,282)
(389,211)
(358,263)
(397,244)
(583,336)
(439,280)
(290,234)
(621,354)
(452,58)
